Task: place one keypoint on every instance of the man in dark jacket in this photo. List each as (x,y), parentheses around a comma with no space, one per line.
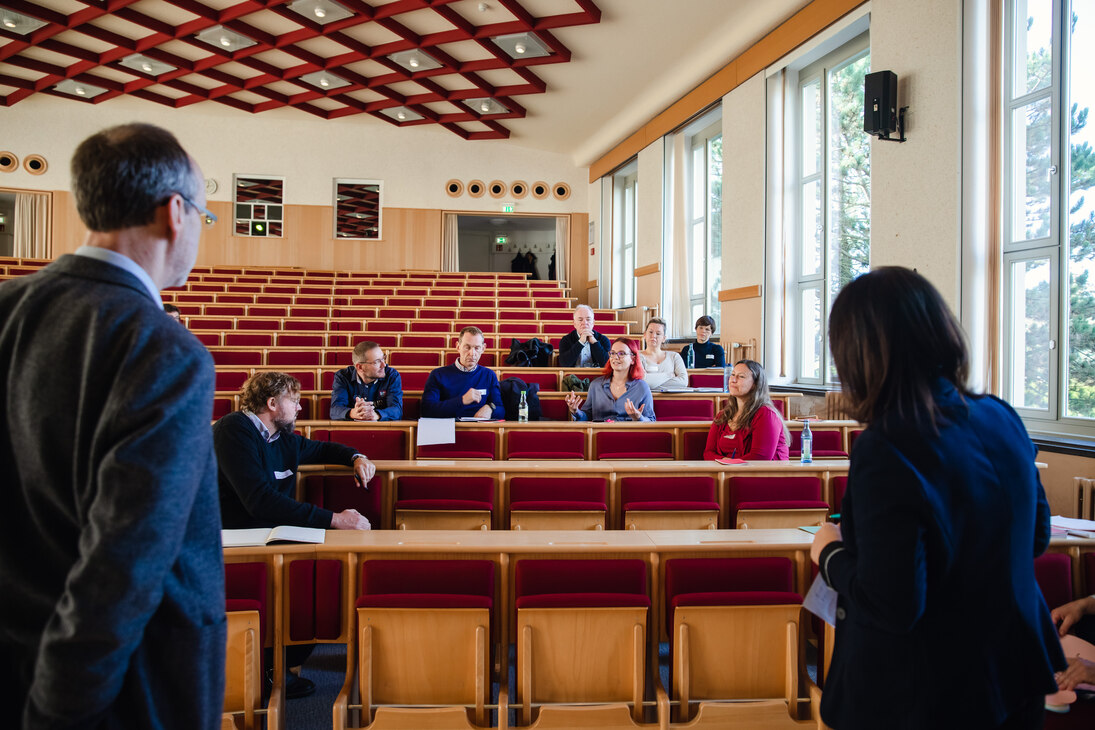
(110,551)
(368,390)
(585,347)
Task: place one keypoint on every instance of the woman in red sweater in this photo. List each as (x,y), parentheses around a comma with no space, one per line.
(749,427)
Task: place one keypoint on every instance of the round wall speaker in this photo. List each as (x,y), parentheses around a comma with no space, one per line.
(8,162)
(540,190)
(476,188)
(497,188)
(454,188)
(561,191)
(35,164)
(518,189)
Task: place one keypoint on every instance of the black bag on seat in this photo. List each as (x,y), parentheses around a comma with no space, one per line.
(511,398)
(533,353)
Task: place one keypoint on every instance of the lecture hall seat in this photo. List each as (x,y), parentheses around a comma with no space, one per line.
(743,608)
(444,503)
(581,642)
(469,444)
(669,503)
(423,641)
(828,444)
(638,444)
(776,501)
(557,503)
(337,492)
(245,592)
(529,444)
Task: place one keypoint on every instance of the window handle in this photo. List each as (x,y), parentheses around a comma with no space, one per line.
(1052,169)
(1053,344)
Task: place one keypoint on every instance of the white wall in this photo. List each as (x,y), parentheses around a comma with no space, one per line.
(414,163)
(743,163)
(916,186)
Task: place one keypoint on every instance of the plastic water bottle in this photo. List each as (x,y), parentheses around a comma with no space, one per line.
(522,408)
(691,357)
(807,444)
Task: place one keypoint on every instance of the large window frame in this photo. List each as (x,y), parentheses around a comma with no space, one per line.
(1048,193)
(818,269)
(625,220)
(704,221)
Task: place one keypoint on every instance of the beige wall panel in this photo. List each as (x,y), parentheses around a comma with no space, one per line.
(741,321)
(69,231)
(1057,479)
(743,153)
(578,255)
(648,291)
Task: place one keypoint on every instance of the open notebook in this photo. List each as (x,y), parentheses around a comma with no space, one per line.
(271,535)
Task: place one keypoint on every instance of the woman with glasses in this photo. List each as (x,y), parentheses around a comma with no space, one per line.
(620,394)
(749,427)
(663,368)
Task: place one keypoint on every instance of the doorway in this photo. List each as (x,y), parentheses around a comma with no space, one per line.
(501,243)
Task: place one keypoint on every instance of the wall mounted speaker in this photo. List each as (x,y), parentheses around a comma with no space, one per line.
(454,188)
(561,191)
(476,188)
(497,188)
(518,189)
(35,164)
(880,103)
(540,190)
(8,162)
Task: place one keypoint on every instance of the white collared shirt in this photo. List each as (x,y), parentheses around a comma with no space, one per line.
(122,262)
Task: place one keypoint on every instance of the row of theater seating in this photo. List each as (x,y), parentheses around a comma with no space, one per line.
(526,499)
(428,639)
(563,440)
(363,323)
(298,306)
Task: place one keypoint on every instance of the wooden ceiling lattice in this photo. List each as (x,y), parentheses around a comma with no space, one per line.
(84,42)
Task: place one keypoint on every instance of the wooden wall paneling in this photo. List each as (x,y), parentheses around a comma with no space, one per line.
(578,256)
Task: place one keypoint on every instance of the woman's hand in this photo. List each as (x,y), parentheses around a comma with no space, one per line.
(1080,671)
(635,413)
(574,402)
(828,533)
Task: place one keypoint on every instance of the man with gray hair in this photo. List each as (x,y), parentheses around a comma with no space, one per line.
(110,548)
(368,390)
(584,347)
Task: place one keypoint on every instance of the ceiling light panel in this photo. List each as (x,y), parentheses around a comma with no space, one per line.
(224,39)
(79,89)
(325,80)
(402,114)
(320,11)
(523,45)
(18,23)
(415,60)
(145,65)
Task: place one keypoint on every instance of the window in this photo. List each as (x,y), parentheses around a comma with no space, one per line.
(830,164)
(1049,217)
(625,185)
(259,205)
(705,222)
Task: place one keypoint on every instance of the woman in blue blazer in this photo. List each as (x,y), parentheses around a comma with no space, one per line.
(940,623)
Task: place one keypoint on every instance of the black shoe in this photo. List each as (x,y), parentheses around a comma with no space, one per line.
(295,685)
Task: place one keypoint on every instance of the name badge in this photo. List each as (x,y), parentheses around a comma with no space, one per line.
(711,356)
(283,474)
(482,392)
(729,435)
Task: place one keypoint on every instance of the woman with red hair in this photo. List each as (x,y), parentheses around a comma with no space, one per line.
(620,393)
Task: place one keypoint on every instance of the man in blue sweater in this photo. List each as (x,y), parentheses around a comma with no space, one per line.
(464,389)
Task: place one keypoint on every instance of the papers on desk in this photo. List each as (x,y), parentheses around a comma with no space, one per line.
(679,389)
(821,601)
(1078,528)
(433,431)
(729,462)
(271,535)
(478,418)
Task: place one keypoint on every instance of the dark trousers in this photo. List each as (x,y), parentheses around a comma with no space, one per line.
(1030,717)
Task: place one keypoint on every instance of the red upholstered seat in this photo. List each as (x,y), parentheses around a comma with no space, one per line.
(414,379)
(1054,574)
(222,406)
(580,583)
(282,358)
(315,605)
(438,341)
(307,378)
(411,408)
(237,357)
(684,409)
(306,325)
(271,325)
(337,492)
(521,444)
(209,339)
(376,442)
(427,584)
(852,436)
(637,444)
(469,445)
(291,339)
(249,339)
(826,444)
(1088,563)
(668,493)
(553,409)
(408,357)
(728,582)
(784,489)
(557,493)
(451,493)
(419,326)
(230,379)
(245,583)
(692,445)
(840,486)
(546,381)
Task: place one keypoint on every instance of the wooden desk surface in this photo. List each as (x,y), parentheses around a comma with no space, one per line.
(602,466)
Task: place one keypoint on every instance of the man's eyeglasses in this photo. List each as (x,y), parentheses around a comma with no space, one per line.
(207,217)
(620,354)
(381,361)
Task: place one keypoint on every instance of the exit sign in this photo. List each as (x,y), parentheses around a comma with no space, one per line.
(501,239)
(508,208)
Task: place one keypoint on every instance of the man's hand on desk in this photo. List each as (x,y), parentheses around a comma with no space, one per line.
(349,519)
(363,471)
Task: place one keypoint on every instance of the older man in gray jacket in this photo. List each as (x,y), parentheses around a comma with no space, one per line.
(110,554)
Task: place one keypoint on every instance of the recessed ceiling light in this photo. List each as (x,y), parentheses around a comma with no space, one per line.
(79,89)
(18,23)
(225,39)
(401,114)
(523,45)
(325,80)
(415,60)
(146,65)
(320,11)
(486,106)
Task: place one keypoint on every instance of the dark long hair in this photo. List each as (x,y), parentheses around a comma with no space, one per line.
(635,372)
(892,336)
(755,399)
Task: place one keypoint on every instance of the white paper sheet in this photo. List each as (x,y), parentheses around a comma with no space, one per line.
(436,431)
(821,601)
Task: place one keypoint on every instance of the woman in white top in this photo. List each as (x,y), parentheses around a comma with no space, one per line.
(664,368)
